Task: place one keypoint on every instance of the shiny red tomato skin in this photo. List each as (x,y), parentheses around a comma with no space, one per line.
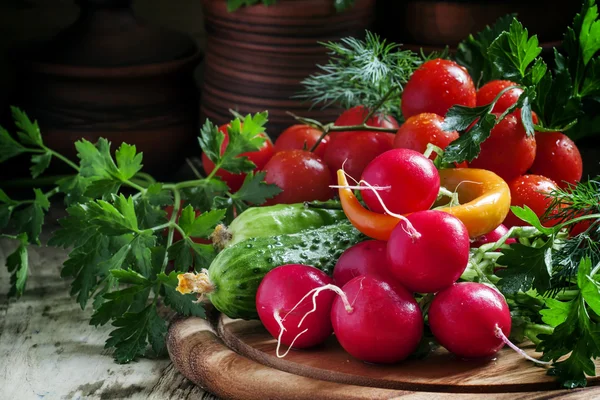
(355,150)
(298,137)
(235,181)
(531,191)
(302,176)
(436,86)
(421,129)
(488,92)
(508,152)
(558,158)
(356,116)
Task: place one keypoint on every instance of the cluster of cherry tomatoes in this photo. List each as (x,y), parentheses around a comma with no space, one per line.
(531,165)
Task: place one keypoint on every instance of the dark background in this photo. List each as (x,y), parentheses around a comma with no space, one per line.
(23,21)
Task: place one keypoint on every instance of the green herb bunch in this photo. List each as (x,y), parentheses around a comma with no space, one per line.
(123,258)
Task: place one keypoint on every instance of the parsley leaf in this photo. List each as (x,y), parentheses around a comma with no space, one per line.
(526,267)
(254,191)
(28,131)
(18,265)
(468,145)
(82,265)
(201,195)
(30,219)
(134,331)
(118,302)
(201,226)
(574,334)
(112,219)
(512,52)
(128,162)
(528,215)
(40,162)
(472,53)
(184,304)
(242,138)
(9,147)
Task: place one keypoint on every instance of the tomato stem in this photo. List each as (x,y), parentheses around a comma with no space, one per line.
(377,106)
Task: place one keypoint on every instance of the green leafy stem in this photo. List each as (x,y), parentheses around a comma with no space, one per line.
(123,248)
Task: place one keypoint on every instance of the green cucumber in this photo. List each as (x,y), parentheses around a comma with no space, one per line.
(233,277)
(274,220)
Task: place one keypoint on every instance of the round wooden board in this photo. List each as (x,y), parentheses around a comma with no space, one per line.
(236,359)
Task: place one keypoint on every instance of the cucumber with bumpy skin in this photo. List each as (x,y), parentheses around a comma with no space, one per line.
(233,277)
(275,220)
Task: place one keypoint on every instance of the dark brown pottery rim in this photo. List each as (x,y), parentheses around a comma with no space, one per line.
(127,72)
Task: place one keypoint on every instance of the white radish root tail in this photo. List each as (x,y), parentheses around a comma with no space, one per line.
(314,293)
(501,335)
(409,228)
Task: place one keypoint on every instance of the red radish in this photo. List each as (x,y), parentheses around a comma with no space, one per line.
(411,179)
(433,258)
(492,237)
(282,301)
(467,319)
(367,258)
(384,325)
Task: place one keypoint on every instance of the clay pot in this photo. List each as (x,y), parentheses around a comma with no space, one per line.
(256,56)
(110,75)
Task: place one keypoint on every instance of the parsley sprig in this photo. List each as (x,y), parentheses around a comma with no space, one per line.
(558,96)
(117,231)
(551,280)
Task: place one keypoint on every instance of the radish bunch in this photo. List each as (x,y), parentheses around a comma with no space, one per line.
(370,302)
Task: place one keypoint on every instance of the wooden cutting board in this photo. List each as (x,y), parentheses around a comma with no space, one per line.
(235,359)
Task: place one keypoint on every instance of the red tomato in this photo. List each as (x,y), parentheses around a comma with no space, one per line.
(301,175)
(299,137)
(235,181)
(531,191)
(435,87)
(579,227)
(354,150)
(356,116)
(488,92)
(508,152)
(557,158)
(176,235)
(422,129)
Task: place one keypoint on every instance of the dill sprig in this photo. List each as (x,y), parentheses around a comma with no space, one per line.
(361,72)
(574,201)
(568,204)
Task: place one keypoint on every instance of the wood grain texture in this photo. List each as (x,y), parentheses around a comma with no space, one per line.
(49,351)
(199,351)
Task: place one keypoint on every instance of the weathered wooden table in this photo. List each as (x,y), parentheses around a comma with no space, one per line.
(48,350)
